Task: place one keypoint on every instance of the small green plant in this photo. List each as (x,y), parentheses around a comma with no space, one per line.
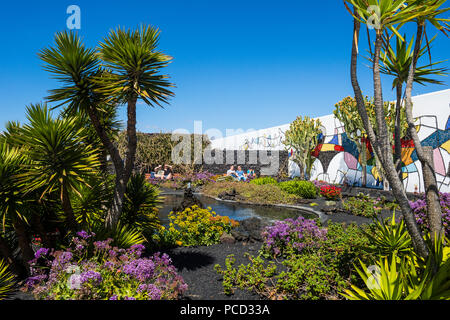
(364,205)
(304,189)
(389,237)
(319,268)
(254,276)
(264,180)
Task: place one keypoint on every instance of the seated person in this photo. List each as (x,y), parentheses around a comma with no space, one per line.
(251,173)
(168,173)
(241,175)
(164,172)
(231,172)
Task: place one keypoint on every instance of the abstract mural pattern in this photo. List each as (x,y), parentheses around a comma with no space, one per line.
(338,159)
(351,169)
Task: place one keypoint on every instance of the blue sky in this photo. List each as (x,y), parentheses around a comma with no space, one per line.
(237,64)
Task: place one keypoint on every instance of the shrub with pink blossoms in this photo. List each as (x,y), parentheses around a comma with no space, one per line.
(293,236)
(420,210)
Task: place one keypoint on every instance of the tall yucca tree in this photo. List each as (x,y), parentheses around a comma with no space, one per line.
(133,73)
(59,160)
(434,10)
(135,64)
(384,16)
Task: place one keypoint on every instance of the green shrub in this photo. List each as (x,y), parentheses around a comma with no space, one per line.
(321,271)
(194,226)
(304,189)
(261,194)
(264,180)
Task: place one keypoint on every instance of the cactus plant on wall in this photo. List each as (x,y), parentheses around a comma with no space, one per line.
(302,136)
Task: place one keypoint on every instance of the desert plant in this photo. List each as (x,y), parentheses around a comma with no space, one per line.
(390,236)
(302,136)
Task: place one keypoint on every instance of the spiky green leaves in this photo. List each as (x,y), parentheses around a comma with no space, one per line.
(135,65)
(76,67)
(58,156)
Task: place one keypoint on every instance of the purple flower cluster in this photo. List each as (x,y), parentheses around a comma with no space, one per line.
(41,252)
(419,208)
(105,272)
(91,275)
(290,234)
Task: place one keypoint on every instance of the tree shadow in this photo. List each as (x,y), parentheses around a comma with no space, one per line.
(190,260)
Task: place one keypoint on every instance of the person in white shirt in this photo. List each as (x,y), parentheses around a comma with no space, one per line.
(231,172)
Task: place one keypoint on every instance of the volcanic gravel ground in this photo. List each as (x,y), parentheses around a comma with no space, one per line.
(196,266)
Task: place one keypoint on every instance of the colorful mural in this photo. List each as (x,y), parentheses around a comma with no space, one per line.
(338,159)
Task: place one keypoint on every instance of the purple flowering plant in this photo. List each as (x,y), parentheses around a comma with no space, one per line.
(419,208)
(107,273)
(293,236)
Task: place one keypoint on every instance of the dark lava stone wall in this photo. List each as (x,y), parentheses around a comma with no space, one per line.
(247,159)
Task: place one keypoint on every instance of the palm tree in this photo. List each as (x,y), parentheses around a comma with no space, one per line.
(135,63)
(58,158)
(431,12)
(132,73)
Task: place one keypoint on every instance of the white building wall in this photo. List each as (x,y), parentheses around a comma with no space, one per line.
(432,111)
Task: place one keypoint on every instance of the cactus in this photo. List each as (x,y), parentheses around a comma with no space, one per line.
(302,136)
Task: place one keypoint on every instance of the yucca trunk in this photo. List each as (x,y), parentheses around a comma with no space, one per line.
(398,132)
(114,212)
(425,155)
(382,147)
(68,210)
(124,174)
(24,242)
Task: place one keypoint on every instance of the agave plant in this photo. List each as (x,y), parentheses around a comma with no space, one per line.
(406,278)
(384,281)
(390,237)
(7,281)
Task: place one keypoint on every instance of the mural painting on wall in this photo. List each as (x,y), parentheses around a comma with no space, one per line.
(338,159)
(265,141)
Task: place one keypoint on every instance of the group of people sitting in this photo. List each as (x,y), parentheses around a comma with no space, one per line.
(239,174)
(163,172)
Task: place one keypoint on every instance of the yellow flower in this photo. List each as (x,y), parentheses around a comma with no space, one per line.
(178,242)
